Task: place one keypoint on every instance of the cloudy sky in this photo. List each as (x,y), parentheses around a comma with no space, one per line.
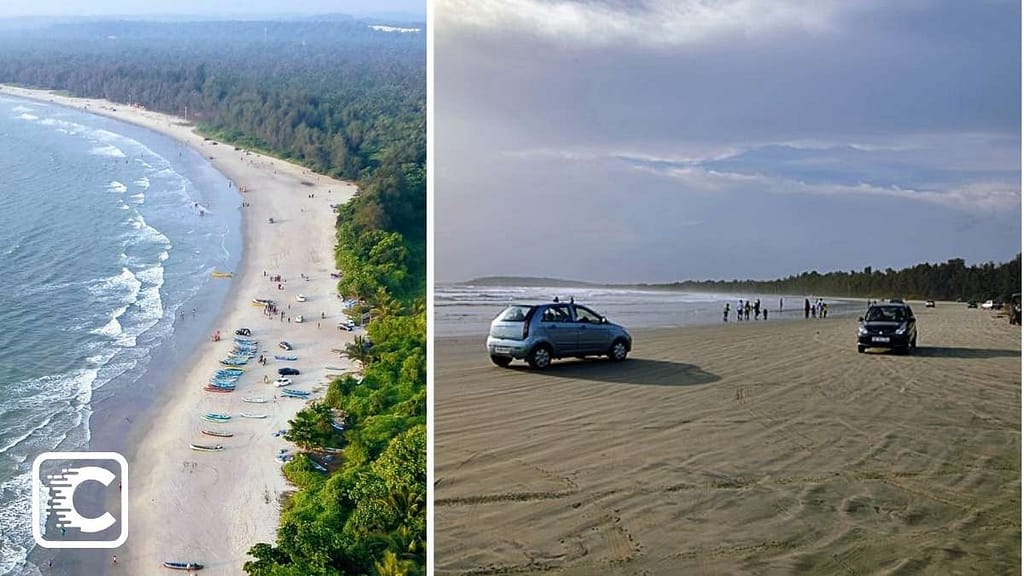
(665,140)
(17,8)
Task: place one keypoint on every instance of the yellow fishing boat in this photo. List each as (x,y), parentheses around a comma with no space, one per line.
(221,274)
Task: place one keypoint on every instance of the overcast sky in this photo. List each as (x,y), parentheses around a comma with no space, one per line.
(9,8)
(696,139)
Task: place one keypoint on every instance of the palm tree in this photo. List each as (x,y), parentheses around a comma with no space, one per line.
(359,350)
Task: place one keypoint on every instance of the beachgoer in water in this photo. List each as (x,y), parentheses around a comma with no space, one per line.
(807,308)
(725,313)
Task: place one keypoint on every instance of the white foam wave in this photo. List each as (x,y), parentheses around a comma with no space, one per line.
(20,108)
(125,284)
(142,183)
(27,116)
(112,329)
(116,186)
(108,150)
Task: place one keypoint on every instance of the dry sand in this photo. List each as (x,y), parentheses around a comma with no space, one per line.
(767,448)
(212,507)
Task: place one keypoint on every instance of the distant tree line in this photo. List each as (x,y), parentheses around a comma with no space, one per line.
(952,280)
(336,96)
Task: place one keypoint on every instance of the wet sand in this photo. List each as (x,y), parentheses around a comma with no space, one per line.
(754,448)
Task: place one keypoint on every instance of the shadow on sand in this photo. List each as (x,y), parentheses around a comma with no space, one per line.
(636,371)
(955,352)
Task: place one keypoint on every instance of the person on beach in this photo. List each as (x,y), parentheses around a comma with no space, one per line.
(780,304)
(739,311)
(746,311)
(114,560)
(807,308)
(765,312)
(725,314)
(757,309)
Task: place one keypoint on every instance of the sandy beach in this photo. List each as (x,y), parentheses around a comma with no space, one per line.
(212,507)
(755,448)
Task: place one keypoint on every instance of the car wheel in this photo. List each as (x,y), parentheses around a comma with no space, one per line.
(539,357)
(618,351)
(860,349)
(502,361)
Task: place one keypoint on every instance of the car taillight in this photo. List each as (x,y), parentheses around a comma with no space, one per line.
(526,330)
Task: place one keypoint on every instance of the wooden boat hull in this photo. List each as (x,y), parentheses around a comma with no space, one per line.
(183,565)
(204,448)
(218,434)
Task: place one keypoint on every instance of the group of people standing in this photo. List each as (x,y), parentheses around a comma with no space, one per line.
(743,310)
(817,310)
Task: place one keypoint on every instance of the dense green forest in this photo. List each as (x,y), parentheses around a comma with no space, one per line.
(347,101)
(952,280)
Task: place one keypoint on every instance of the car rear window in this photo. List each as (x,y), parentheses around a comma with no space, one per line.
(514,314)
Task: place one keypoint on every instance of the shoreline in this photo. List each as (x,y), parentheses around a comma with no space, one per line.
(188,509)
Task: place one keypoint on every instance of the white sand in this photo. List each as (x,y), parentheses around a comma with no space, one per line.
(214,511)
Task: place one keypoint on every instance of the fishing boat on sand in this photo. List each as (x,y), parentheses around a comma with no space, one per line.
(257,400)
(295,393)
(218,434)
(219,389)
(248,415)
(214,417)
(183,565)
(286,358)
(217,274)
(205,448)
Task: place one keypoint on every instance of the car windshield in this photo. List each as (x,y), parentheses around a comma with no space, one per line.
(514,314)
(886,314)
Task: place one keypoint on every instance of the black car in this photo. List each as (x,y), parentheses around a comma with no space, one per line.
(288,371)
(890,326)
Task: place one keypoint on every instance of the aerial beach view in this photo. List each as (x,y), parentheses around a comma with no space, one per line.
(227,358)
(616,182)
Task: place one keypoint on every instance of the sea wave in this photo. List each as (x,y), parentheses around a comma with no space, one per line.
(125,284)
(142,182)
(116,186)
(107,150)
(20,108)
(27,116)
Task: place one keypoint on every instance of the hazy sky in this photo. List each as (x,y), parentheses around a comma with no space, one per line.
(693,139)
(10,8)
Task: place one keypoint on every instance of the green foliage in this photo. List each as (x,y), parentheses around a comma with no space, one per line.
(948,281)
(311,428)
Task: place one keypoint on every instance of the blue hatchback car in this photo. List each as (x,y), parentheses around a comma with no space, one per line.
(539,333)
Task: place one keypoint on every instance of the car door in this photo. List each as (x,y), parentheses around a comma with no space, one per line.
(594,335)
(558,325)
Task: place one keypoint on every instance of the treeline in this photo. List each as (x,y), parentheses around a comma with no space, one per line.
(337,96)
(952,280)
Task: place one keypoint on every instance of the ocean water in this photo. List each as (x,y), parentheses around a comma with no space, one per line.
(463,310)
(106,231)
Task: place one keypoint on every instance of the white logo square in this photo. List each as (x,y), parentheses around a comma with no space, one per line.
(64,473)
